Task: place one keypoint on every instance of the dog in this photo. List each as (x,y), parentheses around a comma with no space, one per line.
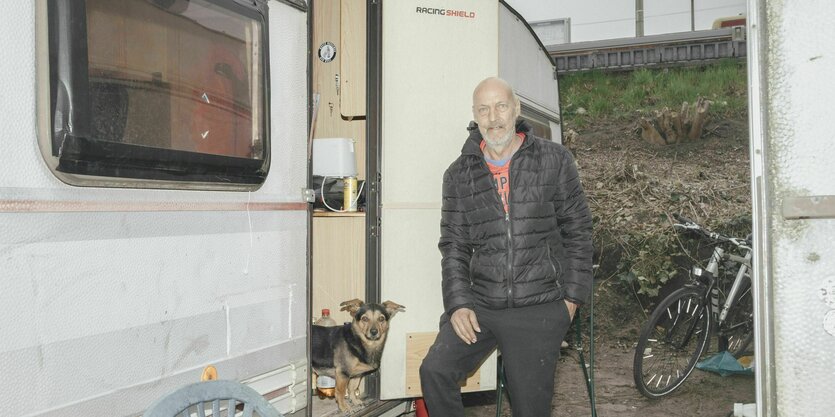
(353,350)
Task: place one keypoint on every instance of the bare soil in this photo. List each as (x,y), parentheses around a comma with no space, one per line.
(634,186)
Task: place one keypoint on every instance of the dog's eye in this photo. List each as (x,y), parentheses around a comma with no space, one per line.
(381,319)
(365,319)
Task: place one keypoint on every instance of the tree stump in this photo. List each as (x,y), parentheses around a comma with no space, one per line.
(667,127)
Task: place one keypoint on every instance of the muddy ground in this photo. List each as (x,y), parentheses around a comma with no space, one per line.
(703,394)
(632,186)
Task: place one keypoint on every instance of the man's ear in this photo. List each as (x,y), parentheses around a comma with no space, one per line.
(352,306)
(392,308)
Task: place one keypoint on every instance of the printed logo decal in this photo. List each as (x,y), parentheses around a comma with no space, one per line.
(446,12)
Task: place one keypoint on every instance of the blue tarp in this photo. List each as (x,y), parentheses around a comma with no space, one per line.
(723,363)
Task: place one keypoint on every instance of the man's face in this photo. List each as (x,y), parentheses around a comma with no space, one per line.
(495,109)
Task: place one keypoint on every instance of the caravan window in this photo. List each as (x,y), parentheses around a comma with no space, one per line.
(539,125)
(169,91)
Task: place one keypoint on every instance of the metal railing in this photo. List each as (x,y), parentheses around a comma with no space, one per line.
(650,51)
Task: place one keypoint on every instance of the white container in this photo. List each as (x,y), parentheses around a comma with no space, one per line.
(334,157)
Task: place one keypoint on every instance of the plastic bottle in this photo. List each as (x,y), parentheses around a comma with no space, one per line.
(325,384)
(326,319)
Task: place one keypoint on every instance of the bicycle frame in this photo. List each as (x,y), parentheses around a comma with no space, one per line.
(686,339)
(708,282)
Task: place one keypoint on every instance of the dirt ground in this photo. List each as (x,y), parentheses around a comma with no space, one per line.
(629,184)
(703,394)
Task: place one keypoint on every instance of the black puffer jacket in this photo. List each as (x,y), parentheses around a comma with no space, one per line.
(539,252)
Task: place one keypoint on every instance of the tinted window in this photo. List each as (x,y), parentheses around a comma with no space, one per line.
(170,90)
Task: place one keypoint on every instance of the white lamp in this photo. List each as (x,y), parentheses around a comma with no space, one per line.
(334,157)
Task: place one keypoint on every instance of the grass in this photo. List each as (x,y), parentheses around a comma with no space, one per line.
(588,97)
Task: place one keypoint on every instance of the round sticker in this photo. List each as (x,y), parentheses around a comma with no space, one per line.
(327,52)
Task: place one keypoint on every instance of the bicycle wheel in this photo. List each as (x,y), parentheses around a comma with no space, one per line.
(671,342)
(737,332)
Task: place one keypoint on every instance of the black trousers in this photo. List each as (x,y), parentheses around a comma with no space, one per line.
(529,340)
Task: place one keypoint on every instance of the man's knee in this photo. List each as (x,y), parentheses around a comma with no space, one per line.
(434,367)
(430,369)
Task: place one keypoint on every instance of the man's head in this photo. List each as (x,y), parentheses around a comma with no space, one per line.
(495,109)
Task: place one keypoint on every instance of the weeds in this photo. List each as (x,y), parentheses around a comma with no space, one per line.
(632,187)
(588,97)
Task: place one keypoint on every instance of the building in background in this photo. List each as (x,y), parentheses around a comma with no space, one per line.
(566,21)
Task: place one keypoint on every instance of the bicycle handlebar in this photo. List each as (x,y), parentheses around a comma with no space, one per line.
(688,224)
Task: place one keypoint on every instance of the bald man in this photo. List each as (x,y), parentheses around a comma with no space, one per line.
(516,258)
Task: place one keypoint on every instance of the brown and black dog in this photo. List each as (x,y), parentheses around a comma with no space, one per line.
(348,352)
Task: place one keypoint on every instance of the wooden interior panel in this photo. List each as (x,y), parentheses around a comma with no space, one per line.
(353,62)
(338,261)
(417,346)
(329,120)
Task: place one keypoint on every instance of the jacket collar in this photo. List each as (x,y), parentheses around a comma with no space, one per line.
(473,144)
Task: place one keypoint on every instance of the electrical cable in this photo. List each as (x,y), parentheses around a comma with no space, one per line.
(353,203)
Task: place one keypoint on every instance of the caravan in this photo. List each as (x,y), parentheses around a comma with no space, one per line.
(155,202)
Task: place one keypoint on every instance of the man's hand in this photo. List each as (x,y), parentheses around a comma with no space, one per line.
(465,324)
(571,309)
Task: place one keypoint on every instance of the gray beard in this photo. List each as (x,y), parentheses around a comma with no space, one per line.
(500,143)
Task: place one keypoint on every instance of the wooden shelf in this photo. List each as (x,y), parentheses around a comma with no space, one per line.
(338,214)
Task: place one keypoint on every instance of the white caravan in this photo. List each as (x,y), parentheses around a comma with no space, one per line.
(154,212)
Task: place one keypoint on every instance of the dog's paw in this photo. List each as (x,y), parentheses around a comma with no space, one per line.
(356,402)
(349,410)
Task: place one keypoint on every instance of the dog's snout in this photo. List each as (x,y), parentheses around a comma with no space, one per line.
(374,331)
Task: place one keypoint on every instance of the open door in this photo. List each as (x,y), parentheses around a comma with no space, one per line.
(433,55)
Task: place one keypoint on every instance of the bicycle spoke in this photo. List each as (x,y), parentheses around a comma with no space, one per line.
(670,343)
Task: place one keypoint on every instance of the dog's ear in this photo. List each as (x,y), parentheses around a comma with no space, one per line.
(352,306)
(392,308)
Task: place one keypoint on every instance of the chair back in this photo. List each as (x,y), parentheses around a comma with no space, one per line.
(212,398)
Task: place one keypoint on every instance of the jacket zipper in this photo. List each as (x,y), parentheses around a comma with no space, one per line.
(509,236)
(553,267)
(472,260)
(508,223)
(509,251)
(509,232)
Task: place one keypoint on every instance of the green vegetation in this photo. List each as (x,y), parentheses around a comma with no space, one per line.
(637,93)
(633,186)
(651,259)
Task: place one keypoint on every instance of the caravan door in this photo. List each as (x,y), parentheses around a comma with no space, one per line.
(434,53)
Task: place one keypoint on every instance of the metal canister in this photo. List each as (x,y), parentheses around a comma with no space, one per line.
(349,194)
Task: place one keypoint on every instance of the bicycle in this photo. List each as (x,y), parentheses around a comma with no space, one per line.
(679,329)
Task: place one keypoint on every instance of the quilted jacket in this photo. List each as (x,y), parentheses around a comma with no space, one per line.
(538,252)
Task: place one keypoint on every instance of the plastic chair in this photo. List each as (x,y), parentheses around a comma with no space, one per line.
(212,397)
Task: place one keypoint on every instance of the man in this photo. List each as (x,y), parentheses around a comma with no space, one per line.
(516,247)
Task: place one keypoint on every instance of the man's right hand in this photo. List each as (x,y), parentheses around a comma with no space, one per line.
(465,324)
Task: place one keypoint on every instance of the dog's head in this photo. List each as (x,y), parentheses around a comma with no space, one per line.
(371,321)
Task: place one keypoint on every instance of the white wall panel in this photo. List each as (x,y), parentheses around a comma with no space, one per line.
(112,309)
(431,64)
(525,65)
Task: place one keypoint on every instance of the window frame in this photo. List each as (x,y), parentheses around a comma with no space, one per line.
(84,161)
